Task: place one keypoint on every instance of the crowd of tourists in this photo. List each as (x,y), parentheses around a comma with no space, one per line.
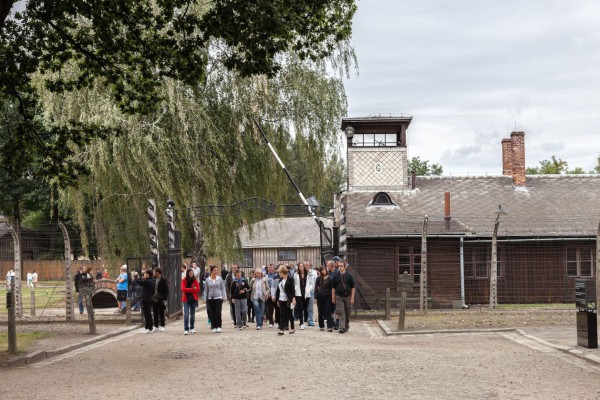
(279,297)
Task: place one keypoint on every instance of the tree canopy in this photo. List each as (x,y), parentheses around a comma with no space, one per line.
(422,167)
(131,46)
(155,99)
(556,166)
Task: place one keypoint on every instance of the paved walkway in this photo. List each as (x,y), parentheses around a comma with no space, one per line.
(364,363)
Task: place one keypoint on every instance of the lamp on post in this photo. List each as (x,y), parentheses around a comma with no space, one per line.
(494,267)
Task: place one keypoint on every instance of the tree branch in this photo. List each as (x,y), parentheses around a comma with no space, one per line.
(5,7)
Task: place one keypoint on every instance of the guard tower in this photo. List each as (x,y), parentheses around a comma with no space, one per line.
(376,154)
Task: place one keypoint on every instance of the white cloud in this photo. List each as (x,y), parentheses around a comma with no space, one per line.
(468,71)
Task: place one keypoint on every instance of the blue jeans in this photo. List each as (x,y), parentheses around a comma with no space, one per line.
(80,302)
(189,313)
(310,305)
(259,311)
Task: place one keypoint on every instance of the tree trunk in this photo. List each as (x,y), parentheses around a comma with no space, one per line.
(198,251)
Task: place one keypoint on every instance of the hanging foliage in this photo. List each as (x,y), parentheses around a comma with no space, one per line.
(202,148)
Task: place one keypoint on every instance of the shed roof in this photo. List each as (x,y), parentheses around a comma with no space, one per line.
(550,206)
(282,232)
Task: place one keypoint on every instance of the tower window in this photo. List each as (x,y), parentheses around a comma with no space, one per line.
(374,140)
(382,199)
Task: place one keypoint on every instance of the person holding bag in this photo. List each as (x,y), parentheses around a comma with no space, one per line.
(190,287)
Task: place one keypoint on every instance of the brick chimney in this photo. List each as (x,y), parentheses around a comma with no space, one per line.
(507,157)
(518,158)
(513,158)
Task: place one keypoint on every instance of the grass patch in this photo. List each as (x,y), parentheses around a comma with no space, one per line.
(24,340)
(46,296)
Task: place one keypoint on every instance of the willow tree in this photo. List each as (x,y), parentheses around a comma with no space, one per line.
(202,148)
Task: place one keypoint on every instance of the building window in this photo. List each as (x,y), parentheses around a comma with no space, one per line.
(374,140)
(248,261)
(286,255)
(382,199)
(478,262)
(580,261)
(409,261)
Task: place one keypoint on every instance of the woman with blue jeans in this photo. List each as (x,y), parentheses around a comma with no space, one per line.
(190,287)
(259,294)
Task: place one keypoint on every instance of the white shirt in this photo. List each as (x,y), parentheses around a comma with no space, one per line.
(29,277)
(282,295)
(196,272)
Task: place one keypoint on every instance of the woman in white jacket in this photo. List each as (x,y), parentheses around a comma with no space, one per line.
(304,287)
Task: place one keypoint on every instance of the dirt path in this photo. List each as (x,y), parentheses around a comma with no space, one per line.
(310,364)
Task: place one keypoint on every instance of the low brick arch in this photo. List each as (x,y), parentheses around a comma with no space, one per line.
(104,298)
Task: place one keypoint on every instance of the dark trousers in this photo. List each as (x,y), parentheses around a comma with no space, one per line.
(232,311)
(285,316)
(343,306)
(159,313)
(214,308)
(336,322)
(147,311)
(271,307)
(301,309)
(250,310)
(324,305)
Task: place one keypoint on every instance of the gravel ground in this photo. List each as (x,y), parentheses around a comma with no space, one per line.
(312,364)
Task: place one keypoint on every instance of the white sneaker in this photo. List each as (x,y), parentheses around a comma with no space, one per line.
(146,331)
(270,325)
(162,329)
(218,330)
(185,332)
(302,327)
(193,331)
(214,330)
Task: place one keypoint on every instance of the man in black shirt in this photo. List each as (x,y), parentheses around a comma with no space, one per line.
(342,295)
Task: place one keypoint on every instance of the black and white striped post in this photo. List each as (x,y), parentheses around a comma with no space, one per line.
(153,232)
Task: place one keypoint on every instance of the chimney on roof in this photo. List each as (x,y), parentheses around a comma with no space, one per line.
(447,215)
(513,158)
(507,157)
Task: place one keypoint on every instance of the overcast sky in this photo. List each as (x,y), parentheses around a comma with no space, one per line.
(467,71)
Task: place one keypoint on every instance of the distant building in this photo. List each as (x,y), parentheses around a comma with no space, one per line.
(281,241)
(546,240)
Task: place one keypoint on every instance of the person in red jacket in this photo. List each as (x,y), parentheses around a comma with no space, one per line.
(190,287)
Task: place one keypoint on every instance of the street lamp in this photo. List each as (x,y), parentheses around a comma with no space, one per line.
(494,268)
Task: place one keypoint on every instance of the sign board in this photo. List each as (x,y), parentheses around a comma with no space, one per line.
(585,294)
(405,283)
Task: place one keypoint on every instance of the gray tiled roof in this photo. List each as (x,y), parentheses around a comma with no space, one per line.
(550,205)
(283,232)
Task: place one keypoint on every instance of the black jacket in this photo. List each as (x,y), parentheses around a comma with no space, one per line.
(163,289)
(236,287)
(289,289)
(147,286)
(77,280)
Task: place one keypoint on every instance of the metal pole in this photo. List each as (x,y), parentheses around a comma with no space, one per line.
(598,268)
(423,280)
(494,268)
(388,311)
(462,271)
(32,300)
(310,209)
(18,267)
(12,325)
(68,277)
